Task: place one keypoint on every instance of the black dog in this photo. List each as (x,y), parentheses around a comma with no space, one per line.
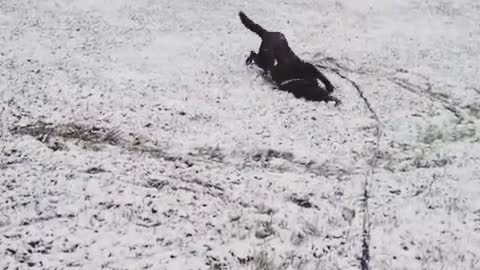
(286,69)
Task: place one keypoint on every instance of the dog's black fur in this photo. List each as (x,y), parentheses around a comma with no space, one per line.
(286,69)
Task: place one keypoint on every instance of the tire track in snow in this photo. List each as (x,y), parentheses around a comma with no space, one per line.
(366,225)
(357,88)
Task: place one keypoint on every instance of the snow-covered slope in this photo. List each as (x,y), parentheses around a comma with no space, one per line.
(134,137)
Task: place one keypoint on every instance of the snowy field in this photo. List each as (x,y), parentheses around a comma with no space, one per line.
(134,137)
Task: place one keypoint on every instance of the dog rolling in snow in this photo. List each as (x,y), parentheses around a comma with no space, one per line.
(287,70)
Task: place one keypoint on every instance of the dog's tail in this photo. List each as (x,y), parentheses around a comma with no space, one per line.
(251,25)
(328,85)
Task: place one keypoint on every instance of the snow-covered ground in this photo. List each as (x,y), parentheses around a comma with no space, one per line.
(134,137)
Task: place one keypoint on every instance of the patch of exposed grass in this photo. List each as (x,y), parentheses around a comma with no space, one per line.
(72,131)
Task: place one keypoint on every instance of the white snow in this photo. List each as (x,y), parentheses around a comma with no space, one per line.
(134,137)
